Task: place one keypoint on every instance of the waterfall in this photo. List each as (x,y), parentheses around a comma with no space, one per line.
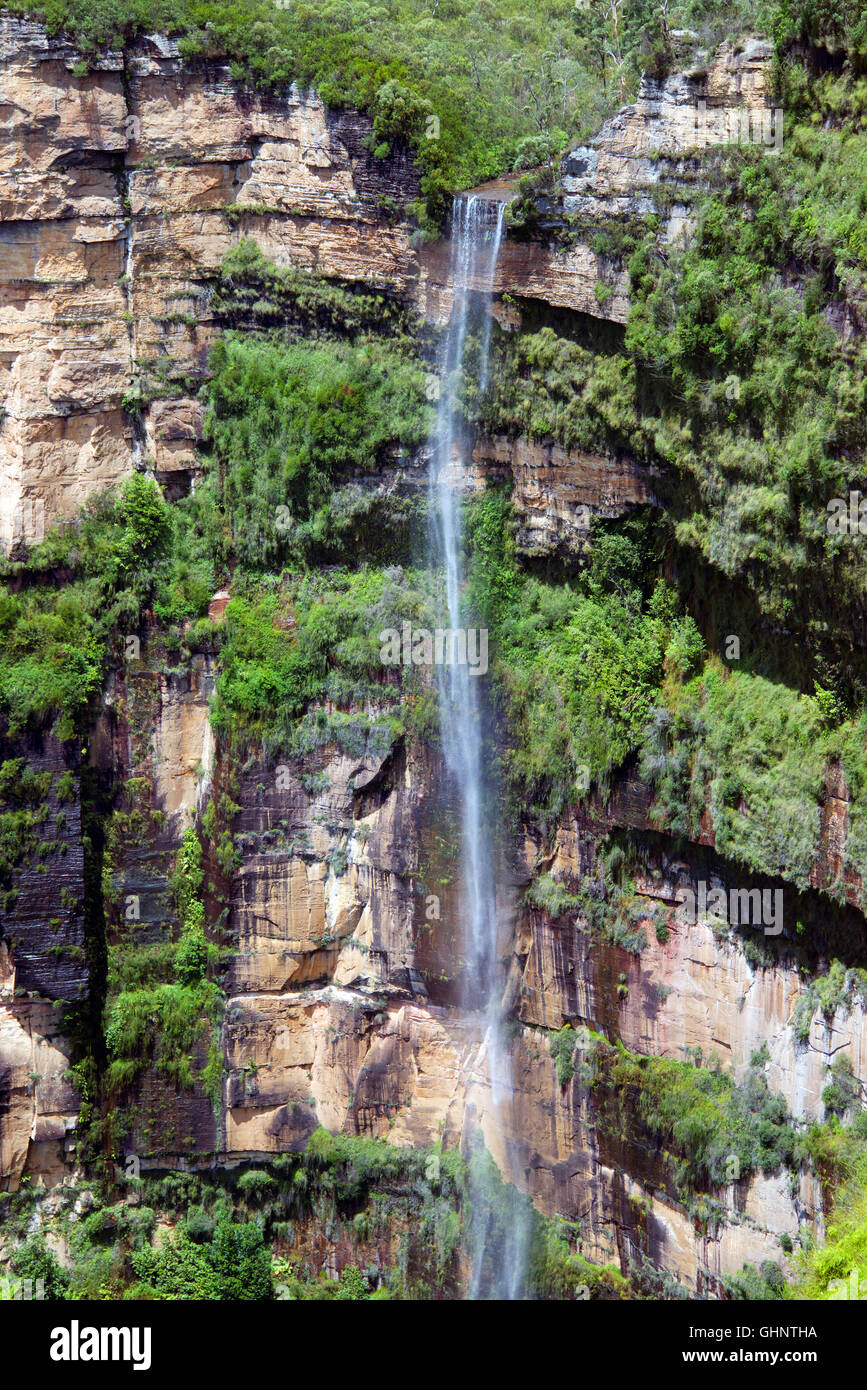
(477,225)
(475,242)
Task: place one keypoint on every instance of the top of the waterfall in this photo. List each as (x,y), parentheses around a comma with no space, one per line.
(501,190)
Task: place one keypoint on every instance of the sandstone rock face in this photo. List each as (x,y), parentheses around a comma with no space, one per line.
(343,1009)
(695,989)
(124,189)
(413,1074)
(618,1191)
(38,1107)
(343,997)
(43,959)
(121,192)
(657,140)
(183,747)
(556,492)
(332,882)
(566,278)
(65,351)
(173,430)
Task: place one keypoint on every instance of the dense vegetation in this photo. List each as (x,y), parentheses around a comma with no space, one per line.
(837,1269)
(54,635)
(474,87)
(707,1130)
(757,410)
(579,665)
(734,374)
(231,1232)
(290,651)
(319,412)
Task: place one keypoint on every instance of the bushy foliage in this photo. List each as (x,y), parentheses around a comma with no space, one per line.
(254,293)
(24,812)
(287,420)
(753,406)
(54,635)
(316,638)
(708,1127)
(578,667)
(355,1165)
(233,1265)
(563,1052)
(556,1272)
(548,386)
(189,875)
(552,896)
(34,1261)
(837,1269)
(751,752)
(750,1284)
(191,958)
(159,1025)
(837,988)
(191,955)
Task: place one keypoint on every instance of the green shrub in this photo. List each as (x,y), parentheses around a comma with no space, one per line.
(285,420)
(199,1227)
(697,1115)
(34,1261)
(255,1184)
(294,644)
(160,1024)
(233,1265)
(563,1052)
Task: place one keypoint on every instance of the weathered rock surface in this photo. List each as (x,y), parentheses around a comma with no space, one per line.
(338,1014)
(556,492)
(342,999)
(413,1074)
(564,277)
(38,1107)
(113,216)
(44,914)
(122,191)
(658,140)
(125,187)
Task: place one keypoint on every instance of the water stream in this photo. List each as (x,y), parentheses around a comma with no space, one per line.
(498,1243)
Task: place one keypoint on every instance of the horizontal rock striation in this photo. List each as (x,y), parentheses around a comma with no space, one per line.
(340,951)
(657,143)
(122,190)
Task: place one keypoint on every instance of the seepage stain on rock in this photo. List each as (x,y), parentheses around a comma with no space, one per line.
(43,963)
(44,921)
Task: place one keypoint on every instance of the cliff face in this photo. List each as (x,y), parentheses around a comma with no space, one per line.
(114,217)
(122,191)
(124,188)
(659,139)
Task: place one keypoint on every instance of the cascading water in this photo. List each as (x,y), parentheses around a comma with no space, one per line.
(476,232)
(477,225)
